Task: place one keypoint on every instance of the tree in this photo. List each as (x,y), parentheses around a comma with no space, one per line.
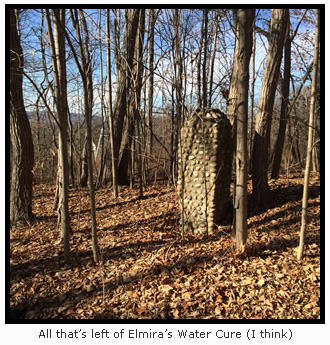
(86,71)
(215,37)
(114,160)
(178,83)
(124,83)
(285,91)
(252,91)
(232,94)
(57,44)
(199,63)
(284,107)
(152,20)
(204,78)
(134,75)
(244,49)
(260,153)
(310,144)
(232,101)
(101,139)
(22,155)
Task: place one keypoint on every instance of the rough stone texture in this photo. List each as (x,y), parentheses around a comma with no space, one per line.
(205,161)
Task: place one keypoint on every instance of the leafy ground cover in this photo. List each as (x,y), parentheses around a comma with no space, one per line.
(148,272)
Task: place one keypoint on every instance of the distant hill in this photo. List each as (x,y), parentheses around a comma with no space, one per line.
(74,116)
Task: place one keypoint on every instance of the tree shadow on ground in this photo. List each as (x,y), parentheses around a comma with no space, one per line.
(280,196)
(51,265)
(120,203)
(40,303)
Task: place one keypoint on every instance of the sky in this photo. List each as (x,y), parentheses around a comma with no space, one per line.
(31,29)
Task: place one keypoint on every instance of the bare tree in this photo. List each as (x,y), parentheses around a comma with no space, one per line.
(284,107)
(134,75)
(285,91)
(310,144)
(232,94)
(260,155)
(204,77)
(57,44)
(215,37)
(253,81)
(124,83)
(152,20)
(114,160)
(244,49)
(85,68)
(101,138)
(178,83)
(199,63)
(22,155)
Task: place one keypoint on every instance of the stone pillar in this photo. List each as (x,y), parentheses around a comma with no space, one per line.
(205,164)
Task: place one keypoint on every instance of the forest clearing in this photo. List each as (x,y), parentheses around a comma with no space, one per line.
(144,274)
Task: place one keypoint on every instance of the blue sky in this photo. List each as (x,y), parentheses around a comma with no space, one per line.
(31,28)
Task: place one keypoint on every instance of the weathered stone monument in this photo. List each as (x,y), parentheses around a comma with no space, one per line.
(205,161)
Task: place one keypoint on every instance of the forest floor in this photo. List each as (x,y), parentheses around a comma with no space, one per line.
(147,272)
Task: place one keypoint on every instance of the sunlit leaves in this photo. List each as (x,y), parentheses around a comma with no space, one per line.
(200,279)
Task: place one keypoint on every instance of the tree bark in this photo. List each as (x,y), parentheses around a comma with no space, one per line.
(114,161)
(133,103)
(232,95)
(178,88)
(211,91)
(22,155)
(260,154)
(198,66)
(85,68)
(101,138)
(124,83)
(232,101)
(284,107)
(84,164)
(204,77)
(151,81)
(57,43)
(253,80)
(310,144)
(244,48)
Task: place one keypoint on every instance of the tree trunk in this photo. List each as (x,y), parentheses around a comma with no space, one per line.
(284,107)
(198,65)
(116,38)
(134,103)
(310,144)
(114,161)
(244,48)
(124,82)
(232,101)
(151,81)
(260,154)
(88,96)
(213,60)
(101,139)
(178,87)
(84,164)
(253,80)
(232,95)
(204,77)
(71,155)
(22,156)
(86,71)
(57,43)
